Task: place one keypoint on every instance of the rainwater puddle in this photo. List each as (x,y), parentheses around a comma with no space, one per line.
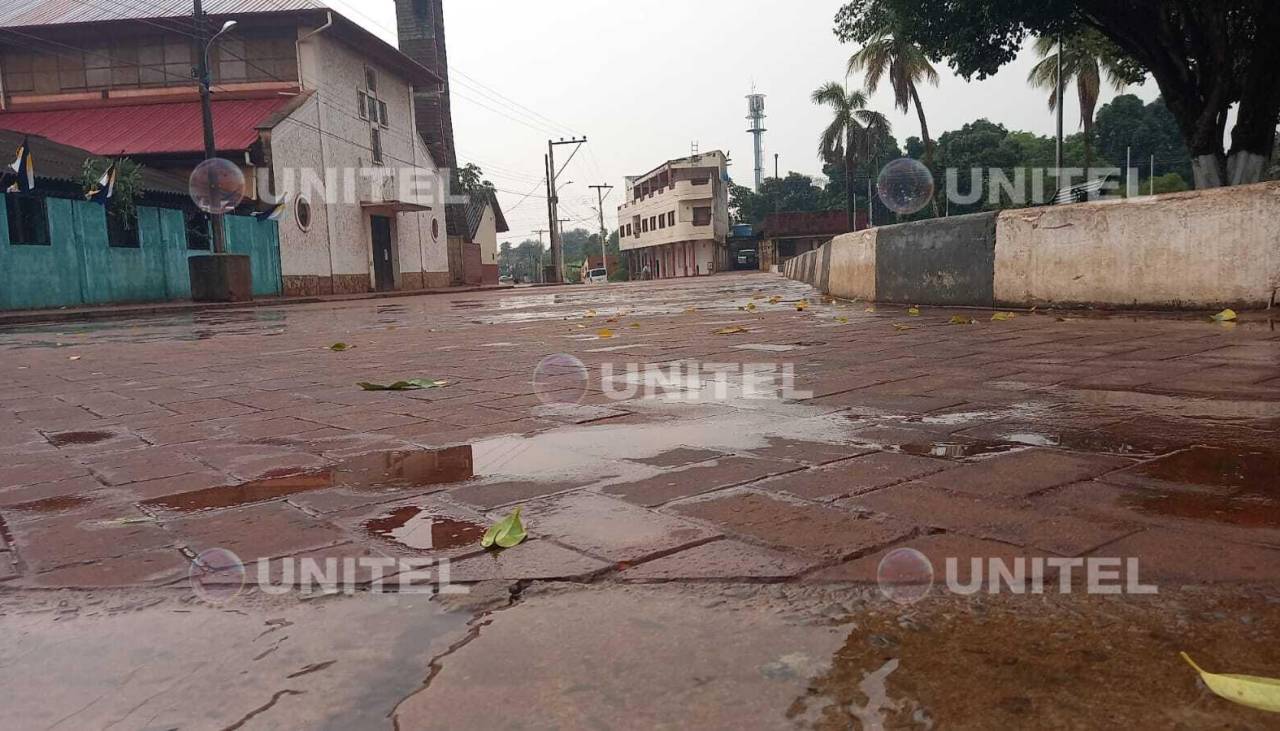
(958,450)
(379,471)
(52,505)
(1236,488)
(78,438)
(420,529)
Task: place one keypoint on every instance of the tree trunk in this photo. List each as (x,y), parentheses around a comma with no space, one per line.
(928,144)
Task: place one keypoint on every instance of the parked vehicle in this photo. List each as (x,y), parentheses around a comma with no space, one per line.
(596,276)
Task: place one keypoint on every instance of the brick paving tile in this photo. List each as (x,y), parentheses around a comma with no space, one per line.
(177,484)
(699,479)
(937,548)
(212,408)
(270,427)
(1231,517)
(1059,532)
(56,541)
(145,568)
(259,531)
(39,469)
(8,566)
(808,529)
(725,559)
(496,494)
(856,476)
(609,528)
(139,465)
(83,485)
(805,452)
(57,418)
(417,526)
(338,566)
(1023,473)
(1168,556)
(680,457)
(473,416)
(362,419)
(532,559)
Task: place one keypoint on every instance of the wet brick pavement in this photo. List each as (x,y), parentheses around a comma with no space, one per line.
(127,447)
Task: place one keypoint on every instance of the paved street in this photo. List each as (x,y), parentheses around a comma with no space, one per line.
(713,546)
(130,447)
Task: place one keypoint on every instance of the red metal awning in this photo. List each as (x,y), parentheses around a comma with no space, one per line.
(148,129)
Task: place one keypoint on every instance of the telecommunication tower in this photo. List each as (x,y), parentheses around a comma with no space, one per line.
(755,115)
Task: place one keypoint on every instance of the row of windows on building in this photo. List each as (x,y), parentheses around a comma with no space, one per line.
(28,218)
(701,217)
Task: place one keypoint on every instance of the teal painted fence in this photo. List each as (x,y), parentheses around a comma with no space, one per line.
(80,268)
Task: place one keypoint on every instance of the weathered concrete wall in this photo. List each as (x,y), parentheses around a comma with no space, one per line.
(852,273)
(943,261)
(1197,249)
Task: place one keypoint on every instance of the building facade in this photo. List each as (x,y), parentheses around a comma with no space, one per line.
(784,236)
(315,110)
(675,219)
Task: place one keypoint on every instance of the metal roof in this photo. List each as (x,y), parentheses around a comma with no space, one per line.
(149,129)
(30,13)
(54,161)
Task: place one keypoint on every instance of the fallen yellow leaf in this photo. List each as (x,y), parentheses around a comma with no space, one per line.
(690,310)
(961,320)
(774,300)
(604,334)
(751,307)
(1226,316)
(802,305)
(1003,316)
(914,312)
(635,325)
(900,327)
(842,320)
(1247,690)
(590,313)
(870,309)
(730,330)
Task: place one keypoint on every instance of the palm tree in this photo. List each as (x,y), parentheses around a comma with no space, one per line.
(906,66)
(855,133)
(1084,60)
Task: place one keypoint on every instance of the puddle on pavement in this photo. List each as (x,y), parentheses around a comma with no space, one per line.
(52,505)
(958,450)
(1232,487)
(78,438)
(378,471)
(421,529)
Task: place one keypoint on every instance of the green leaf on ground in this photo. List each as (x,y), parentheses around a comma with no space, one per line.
(506,533)
(340,347)
(1003,316)
(415,384)
(962,320)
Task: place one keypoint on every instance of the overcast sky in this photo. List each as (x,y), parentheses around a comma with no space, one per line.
(642,81)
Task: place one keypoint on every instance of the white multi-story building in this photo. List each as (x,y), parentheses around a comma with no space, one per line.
(675,221)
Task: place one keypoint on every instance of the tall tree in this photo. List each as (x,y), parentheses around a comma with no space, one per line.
(890,55)
(1206,55)
(854,134)
(1086,56)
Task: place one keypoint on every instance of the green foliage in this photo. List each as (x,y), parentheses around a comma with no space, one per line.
(470,180)
(124,201)
(795,192)
(1148,129)
(1168,183)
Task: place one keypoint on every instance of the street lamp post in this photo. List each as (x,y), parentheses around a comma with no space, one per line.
(206,110)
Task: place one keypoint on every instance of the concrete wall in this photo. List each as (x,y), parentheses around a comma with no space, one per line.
(943,261)
(1195,250)
(80,268)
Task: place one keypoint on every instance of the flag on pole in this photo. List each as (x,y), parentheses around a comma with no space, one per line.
(25,168)
(274,213)
(106,187)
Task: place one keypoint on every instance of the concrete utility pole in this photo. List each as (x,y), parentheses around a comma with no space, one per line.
(206,111)
(553,200)
(541,275)
(604,233)
(775,165)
